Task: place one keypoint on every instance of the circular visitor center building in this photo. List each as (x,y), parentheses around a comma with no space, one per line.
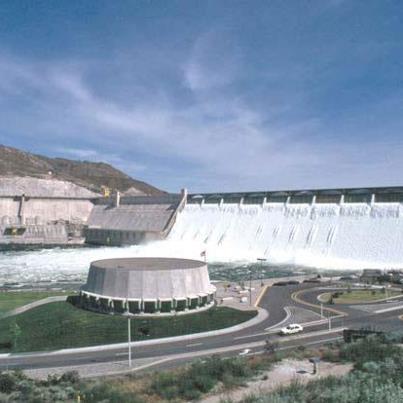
(147,286)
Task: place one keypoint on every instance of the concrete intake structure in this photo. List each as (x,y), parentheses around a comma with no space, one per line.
(147,286)
(51,212)
(36,211)
(133,220)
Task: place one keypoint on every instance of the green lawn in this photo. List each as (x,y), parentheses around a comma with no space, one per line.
(13,299)
(359,296)
(61,325)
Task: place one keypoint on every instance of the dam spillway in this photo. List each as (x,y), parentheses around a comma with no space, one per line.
(353,231)
(332,229)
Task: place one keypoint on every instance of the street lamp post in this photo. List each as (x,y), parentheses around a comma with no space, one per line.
(129,337)
(250,287)
(129,332)
(261,260)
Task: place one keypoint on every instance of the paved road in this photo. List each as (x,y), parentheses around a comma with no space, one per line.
(275,301)
(362,315)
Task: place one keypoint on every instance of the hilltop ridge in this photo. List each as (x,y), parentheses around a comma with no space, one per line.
(91,175)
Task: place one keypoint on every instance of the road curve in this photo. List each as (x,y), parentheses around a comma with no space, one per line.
(275,301)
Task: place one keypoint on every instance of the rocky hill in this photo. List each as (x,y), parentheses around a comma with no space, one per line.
(91,175)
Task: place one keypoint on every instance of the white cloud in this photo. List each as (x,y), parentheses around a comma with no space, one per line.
(78,153)
(214,62)
(96,156)
(228,144)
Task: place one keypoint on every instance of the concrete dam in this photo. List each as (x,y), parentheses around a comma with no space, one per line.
(332,228)
(49,212)
(42,211)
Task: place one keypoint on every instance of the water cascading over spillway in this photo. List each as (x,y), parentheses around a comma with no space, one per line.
(322,235)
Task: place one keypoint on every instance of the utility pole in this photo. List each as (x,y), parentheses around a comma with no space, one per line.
(321,310)
(330,323)
(129,337)
(250,287)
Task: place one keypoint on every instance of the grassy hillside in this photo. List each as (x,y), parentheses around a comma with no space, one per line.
(92,175)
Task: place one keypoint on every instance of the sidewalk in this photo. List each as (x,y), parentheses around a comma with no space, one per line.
(32,305)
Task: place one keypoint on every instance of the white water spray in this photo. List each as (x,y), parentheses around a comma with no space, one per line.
(350,236)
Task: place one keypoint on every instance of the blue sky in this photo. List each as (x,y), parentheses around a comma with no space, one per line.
(211,95)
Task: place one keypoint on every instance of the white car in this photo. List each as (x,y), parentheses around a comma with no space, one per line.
(291,329)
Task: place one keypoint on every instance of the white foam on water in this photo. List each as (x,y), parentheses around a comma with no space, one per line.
(323,236)
(350,236)
(67,264)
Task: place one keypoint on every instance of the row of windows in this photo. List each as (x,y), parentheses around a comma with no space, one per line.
(105,305)
(34,230)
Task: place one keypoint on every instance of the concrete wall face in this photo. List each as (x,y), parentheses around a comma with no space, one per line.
(8,209)
(51,210)
(46,234)
(99,236)
(45,210)
(133,220)
(42,211)
(129,217)
(125,220)
(40,219)
(155,291)
(148,284)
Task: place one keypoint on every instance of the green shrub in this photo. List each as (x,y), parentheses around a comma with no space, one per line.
(201,377)
(71,377)
(165,385)
(7,382)
(103,392)
(372,348)
(355,388)
(331,355)
(252,398)
(394,337)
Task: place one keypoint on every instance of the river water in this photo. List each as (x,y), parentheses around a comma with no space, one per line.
(290,238)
